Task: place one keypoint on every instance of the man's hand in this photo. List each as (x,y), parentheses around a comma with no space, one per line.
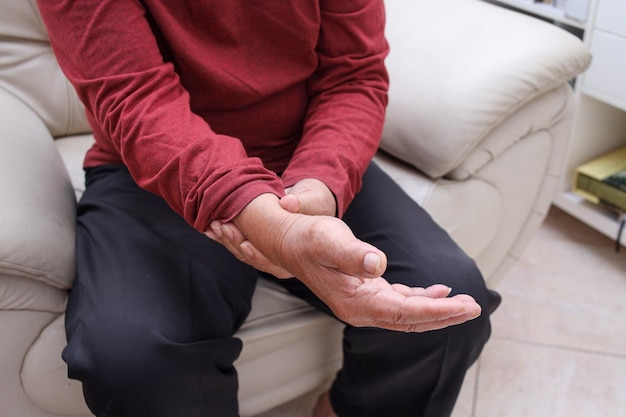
(341,270)
(309,196)
(231,237)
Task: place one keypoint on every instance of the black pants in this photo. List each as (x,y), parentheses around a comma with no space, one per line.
(155,304)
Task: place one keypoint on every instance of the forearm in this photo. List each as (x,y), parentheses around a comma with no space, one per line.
(264,223)
(348,96)
(141,114)
(338,153)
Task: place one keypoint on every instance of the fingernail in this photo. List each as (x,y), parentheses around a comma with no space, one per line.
(245,247)
(217,229)
(371,263)
(458,313)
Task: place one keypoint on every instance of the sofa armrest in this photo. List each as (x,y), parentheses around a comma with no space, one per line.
(458,68)
(37,204)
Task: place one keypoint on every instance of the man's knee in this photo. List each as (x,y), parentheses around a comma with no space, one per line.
(125,370)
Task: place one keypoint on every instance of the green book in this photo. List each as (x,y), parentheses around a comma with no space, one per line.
(617,180)
(603,180)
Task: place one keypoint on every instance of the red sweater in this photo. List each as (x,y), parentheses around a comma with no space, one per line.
(205,101)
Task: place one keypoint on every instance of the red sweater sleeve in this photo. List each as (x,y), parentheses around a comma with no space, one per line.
(133,97)
(348,96)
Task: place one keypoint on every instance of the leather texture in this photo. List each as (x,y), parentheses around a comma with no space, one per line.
(477,131)
(473,89)
(37,210)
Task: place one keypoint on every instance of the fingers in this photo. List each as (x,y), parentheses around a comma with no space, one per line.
(252,256)
(231,237)
(434,291)
(400,308)
(424,314)
(420,315)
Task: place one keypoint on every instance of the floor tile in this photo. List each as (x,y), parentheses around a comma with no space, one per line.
(465,403)
(567,290)
(299,407)
(518,379)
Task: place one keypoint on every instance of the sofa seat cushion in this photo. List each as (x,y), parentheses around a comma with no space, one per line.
(73,150)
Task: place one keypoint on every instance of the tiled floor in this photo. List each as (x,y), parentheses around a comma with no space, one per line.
(558,347)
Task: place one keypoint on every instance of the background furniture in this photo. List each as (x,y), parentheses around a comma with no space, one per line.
(478,124)
(600,120)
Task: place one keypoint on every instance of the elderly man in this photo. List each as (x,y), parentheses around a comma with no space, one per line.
(234,139)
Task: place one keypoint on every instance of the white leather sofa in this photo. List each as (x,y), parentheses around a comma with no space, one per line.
(477,132)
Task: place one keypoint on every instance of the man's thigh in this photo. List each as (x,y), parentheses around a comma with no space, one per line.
(153,308)
(142,262)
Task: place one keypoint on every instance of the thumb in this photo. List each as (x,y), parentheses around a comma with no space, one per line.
(359,259)
(304,202)
(291,203)
(330,243)
(311,197)
(374,263)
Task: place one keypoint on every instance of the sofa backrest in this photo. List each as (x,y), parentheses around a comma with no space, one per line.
(29,71)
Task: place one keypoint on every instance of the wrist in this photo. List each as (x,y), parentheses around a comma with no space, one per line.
(264,223)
